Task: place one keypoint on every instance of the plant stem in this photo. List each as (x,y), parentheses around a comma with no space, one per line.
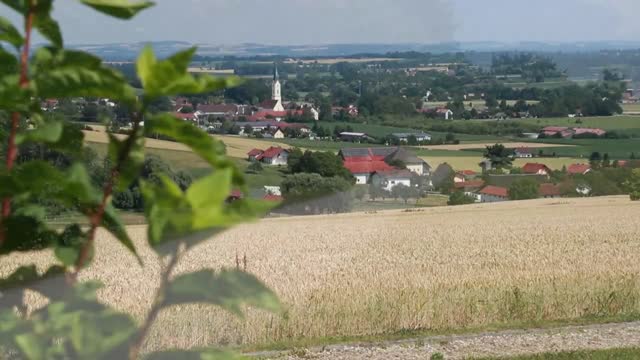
(96,217)
(158,303)
(12,149)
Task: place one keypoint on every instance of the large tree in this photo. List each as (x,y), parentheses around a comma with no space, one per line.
(312,193)
(524,189)
(326,164)
(500,156)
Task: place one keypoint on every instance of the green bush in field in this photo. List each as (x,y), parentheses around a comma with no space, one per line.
(73,323)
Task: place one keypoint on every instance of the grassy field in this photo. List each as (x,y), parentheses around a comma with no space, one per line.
(439,269)
(631,108)
(611,354)
(624,122)
(616,148)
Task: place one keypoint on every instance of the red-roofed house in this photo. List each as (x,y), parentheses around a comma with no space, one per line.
(579,169)
(464,176)
(254,154)
(362,170)
(549,191)
(274,156)
(470,188)
(589,131)
(550,131)
(536,169)
(494,194)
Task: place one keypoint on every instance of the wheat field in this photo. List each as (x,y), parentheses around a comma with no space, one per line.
(363,274)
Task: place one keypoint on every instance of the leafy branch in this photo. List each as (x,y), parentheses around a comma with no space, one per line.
(74,324)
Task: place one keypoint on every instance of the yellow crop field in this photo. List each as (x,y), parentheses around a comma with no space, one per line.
(471,162)
(237,146)
(376,273)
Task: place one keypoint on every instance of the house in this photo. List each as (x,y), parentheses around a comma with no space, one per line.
(404,137)
(591,132)
(277,134)
(204,111)
(549,191)
(442,174)
(186,116)
(271,156)
(464,176)
(536,169)
(388,179)
(471,188)
(523,152)
(579,169)
(351,111)
(355,137)
(444,113)
(253,154)
(413,163)
(557,131)
(362,170)
(490,194)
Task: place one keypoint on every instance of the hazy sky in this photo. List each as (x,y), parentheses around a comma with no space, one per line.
(341,21)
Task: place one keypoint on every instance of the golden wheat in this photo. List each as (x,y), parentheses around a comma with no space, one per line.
(358,274)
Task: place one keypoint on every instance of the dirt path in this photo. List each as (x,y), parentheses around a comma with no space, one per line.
(504,343)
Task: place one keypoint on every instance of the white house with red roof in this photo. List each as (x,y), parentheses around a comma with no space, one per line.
(186,116)
(464,176)
(362,170)
(274,155)
(536,169)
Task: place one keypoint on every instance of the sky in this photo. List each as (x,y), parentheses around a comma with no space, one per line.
(290,22)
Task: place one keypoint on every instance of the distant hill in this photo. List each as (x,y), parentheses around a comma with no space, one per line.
(128,51)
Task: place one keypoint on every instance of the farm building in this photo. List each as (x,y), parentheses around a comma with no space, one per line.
(471,188)
(355,137)
(404,137)
(444,114)
(271,156)
(536,169)
(410,160)
(362,170)
(442,174)
(464,176)
(579,169)
(391,178)
(492,193)
(523,153)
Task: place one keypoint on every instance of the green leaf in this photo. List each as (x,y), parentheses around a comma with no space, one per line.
(8,63)
(229,289)
(199,141)
(14,98)
(49,132)
(45,24)
(69,245)
(59,73)
(9,33)
(112,223)
(122,9)
(195,355)
(32,346)
(170,76)
(49,29)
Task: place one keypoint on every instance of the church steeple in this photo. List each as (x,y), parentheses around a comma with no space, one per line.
(276,90)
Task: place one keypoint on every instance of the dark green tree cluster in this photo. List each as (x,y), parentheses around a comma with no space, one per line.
(307,193)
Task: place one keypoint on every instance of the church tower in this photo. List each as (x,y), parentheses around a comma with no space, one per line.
(276,87)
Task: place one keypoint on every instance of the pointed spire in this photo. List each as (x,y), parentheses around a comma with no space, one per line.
(276,76)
